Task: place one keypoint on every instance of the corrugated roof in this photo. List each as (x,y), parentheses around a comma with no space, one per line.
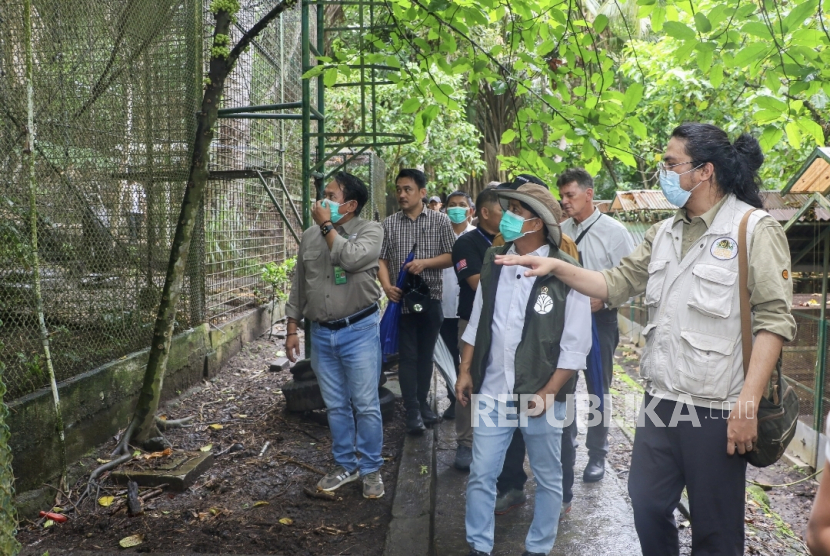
(781,207)
(643,199)
(637,230)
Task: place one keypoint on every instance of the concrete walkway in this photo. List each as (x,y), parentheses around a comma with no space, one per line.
(428,513)
(600,521)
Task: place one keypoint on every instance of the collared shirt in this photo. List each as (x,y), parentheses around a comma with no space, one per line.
(450,299)
(314,293)
(508,322)
(606,242)
(769,255)
(432,234)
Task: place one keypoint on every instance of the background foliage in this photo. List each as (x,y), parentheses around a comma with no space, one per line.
(598,84)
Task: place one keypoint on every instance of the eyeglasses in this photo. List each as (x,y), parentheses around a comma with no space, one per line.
(662,167)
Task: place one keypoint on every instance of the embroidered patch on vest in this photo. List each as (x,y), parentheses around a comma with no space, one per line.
(724,248)
(544,304)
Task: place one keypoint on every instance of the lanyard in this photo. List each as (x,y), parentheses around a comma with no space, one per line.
(488,240)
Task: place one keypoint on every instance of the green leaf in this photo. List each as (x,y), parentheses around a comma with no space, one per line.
(793,135)
(704,60)
(411,105)
(418,130)
(764,116)
(757,29)
(678,30)
(600,23)
(330,77)
(633,96)
(393,61)
(770,137)
(658,18)
(770,103)
(314,72)
(702,23)
(637,127)
(716,75)
(813,129)
(750,54)
(508,137)
(799,13)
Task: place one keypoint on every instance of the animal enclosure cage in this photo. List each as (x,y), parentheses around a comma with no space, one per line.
(115,89)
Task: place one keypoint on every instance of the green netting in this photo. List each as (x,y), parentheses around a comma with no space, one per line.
(116,88)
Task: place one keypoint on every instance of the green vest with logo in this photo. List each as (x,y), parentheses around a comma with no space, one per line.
(538,350)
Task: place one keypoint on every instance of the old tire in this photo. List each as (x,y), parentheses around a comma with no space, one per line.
(302,395)
(302,371)
(387,404)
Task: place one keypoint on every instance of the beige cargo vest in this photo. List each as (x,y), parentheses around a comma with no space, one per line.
(694,329)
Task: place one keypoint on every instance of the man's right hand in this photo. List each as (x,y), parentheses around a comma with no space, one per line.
(464,388)
(393,293)
(292,347)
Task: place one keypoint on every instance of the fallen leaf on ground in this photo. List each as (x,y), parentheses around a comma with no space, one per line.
(132,540)
(106,501)
(286,521)
(260,503)
(241,416)
(48,523)
(280,354)
(216,427)
(136,453)
(206,448)
(100,460)
(166,452)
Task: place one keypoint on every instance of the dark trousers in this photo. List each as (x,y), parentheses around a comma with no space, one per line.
(667,458)
(417,333)
(449,333)
(513,476)
(609,337)
(597,438)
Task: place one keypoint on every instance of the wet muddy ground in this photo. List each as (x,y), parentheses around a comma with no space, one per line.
(248,502)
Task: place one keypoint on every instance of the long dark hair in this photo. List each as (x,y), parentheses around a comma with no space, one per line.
(736,164)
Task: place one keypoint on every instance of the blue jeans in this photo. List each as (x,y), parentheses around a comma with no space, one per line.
(544,441)
(347,364)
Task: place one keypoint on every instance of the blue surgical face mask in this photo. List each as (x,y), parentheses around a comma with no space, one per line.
(335,210)
(670,184)
(511,226)
(457,214)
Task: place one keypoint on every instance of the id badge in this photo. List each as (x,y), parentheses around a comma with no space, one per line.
(339,276)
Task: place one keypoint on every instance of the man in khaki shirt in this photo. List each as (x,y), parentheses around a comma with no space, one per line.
(335,290)
(687,268)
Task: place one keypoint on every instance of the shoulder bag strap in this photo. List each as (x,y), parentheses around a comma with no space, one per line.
(585,231)
(743,273)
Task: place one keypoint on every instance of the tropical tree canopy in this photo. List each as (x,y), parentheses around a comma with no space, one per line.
(601,85)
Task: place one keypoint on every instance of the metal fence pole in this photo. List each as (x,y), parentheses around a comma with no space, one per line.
(821,356)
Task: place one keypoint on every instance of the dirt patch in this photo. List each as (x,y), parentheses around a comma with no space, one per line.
(248,502)
(773,527)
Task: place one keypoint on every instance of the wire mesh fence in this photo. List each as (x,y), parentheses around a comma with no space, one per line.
(115,88)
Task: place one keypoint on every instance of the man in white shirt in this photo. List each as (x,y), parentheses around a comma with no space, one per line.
(602,242)
(459,209)
(525,337)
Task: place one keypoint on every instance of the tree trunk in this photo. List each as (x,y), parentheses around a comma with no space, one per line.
(29,164)
(220,67)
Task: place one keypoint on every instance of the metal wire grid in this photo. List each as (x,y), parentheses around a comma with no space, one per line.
(115,90)
(243,229)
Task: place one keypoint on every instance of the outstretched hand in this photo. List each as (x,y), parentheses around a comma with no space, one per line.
(537,266)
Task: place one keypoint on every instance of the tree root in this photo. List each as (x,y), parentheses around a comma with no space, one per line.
(164,425)
(122,450)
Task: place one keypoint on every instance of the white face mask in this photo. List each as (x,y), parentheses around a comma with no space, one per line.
(670,184)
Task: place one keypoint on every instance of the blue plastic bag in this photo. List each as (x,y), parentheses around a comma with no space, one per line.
(392,316)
